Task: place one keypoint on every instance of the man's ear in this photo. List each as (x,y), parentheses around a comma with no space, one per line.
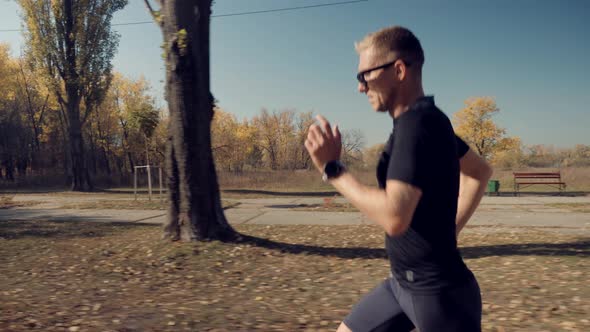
(401,71)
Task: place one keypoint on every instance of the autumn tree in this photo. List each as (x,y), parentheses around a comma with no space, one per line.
(20,125)
(274,140)
(72,44)
(511,155)
(579,155)
(34,133)
(126,128)
(475,125)
(274,133)
(245,151)
(223,129)
(540,155)
(127,95)
(144,117)
(35,97)
(52,159)
(299,155)
(233,141)
(104,136)
(10,122)
(160,139)
(195,210)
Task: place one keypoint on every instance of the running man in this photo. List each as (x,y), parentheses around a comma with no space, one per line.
(430,183)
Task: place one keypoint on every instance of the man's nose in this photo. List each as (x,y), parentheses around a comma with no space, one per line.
(362,87)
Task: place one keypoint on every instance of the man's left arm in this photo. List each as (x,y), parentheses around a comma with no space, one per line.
(392,209)
(474,176)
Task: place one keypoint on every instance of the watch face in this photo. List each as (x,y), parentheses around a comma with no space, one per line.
(333,169)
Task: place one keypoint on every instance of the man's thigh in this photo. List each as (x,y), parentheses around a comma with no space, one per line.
(453,310)
(378,311)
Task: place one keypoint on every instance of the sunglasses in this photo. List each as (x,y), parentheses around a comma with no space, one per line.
(361,77)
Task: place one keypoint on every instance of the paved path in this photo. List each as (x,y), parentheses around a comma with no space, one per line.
(495,212)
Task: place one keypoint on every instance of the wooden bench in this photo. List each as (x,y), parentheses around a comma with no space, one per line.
(527,179)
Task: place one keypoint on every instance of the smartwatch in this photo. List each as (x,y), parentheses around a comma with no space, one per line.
(333,169)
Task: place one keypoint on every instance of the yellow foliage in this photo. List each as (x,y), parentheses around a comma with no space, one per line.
(7,74)
(274,139)
(232,141)
(475,125)
(276,133)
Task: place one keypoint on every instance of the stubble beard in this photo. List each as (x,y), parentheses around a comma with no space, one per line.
(388,102)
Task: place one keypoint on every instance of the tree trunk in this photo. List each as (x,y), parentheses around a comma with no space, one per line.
(66,144)
(120,165)
(92,161)
(21,166)
(31,113)
(126,145)
(80,178)
(172,226)
(195,206)
(107,164)
(8,168)
(80,175)
(105,152)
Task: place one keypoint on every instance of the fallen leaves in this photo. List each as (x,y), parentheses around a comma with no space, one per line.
(54,276)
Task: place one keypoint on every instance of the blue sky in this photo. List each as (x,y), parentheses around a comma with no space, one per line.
(533,57)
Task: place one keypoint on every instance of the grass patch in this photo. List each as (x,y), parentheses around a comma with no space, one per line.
(7,202)
(56,276)
(327,207)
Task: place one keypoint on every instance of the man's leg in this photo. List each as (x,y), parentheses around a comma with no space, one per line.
(378,311)
(452,310)
(343,328)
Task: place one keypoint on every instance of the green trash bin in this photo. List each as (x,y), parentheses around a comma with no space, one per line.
(493,187)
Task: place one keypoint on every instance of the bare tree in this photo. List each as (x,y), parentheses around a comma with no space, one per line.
(353,143)
(303,160)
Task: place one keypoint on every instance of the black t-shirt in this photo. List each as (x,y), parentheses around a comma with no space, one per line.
(424,151)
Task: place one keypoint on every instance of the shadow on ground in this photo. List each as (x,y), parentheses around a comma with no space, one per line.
(282,193)
(239,191)
(60,229)
(16,229)
(291,206)
(579,248)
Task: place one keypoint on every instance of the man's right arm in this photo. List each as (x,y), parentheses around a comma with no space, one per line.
(474,176)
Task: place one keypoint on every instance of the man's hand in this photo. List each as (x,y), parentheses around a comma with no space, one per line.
(323,143)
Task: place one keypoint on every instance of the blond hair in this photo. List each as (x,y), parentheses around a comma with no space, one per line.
(395,39)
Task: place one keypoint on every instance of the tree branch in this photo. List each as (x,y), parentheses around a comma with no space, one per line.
(40,120)
(65,120)
(155,14)
(87,112)
(215,148)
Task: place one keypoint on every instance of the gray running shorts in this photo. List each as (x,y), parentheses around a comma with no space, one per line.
(389,307)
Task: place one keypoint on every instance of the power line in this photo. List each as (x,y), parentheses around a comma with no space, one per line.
(291,8)
(240,13)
